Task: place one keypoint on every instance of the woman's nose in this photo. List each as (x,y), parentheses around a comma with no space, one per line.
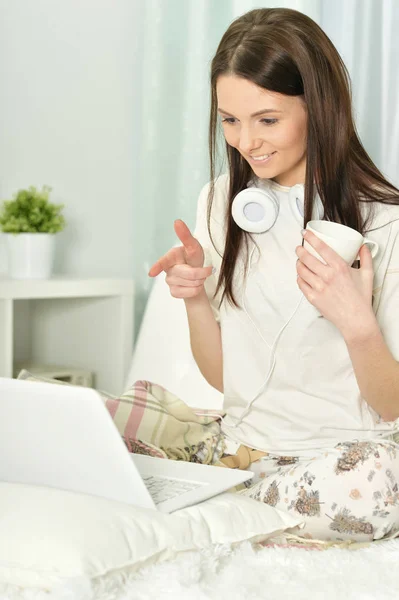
(248,140)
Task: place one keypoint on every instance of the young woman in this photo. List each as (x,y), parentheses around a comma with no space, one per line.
(306,352)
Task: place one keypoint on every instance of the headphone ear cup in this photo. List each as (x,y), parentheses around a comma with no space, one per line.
(255,210)
(318,208)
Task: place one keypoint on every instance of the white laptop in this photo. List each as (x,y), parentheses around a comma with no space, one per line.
(64,437)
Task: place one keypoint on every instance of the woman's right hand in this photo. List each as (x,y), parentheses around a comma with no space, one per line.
(183,266)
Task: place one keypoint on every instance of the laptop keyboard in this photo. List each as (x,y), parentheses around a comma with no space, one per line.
(163,488)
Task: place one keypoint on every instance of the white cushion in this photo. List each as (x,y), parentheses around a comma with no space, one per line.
(162,352)
(48,536)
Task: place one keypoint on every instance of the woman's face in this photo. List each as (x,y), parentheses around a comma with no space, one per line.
(267,128)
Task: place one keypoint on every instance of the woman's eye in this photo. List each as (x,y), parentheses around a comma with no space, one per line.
(232,121)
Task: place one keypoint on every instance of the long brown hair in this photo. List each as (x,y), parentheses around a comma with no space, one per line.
(284,51)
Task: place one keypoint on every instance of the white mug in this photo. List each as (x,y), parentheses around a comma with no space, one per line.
(344,240)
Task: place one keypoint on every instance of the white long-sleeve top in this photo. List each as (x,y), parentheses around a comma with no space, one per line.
(312,400)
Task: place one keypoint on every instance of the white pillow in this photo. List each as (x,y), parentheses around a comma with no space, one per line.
(169,363)
(48,536)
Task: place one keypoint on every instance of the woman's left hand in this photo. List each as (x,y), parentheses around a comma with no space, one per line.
(341,294)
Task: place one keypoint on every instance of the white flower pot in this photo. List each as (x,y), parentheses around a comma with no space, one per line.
(30,255)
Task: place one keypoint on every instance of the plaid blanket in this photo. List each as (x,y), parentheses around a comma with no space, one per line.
(154,421)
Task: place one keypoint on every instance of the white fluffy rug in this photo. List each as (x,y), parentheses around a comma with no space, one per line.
(370,573)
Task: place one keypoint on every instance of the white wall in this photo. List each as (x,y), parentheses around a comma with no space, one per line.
(66,121)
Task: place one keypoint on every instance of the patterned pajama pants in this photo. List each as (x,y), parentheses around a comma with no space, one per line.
(348,492)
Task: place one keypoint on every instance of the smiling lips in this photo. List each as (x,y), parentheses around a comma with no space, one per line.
(263,157)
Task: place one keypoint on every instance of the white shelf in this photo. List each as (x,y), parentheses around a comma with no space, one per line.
(64,287)
(80,323)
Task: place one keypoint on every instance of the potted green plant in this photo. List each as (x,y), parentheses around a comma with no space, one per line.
(30,223)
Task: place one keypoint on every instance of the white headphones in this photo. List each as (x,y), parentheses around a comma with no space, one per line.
(256,210)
